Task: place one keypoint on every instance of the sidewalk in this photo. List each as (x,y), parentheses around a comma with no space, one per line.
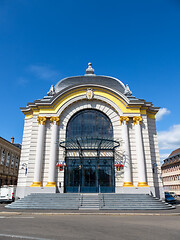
(7,211)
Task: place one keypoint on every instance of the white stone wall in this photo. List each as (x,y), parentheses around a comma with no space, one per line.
(147,152)
(157,178)
(25,151)
(32,151)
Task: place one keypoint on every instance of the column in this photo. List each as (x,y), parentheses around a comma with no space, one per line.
(39,152)
(53,153)
(139,152)
(127,162)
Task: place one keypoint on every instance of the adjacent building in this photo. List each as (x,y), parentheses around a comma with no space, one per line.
(9,161)
(171,172)
(89,134)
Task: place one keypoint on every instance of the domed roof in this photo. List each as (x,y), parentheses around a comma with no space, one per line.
(90,79)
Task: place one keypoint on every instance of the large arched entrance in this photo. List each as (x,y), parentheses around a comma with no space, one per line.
(89,153)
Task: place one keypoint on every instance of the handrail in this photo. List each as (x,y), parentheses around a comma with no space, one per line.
(80,196)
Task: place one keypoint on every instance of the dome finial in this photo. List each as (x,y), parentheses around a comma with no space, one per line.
(89,70)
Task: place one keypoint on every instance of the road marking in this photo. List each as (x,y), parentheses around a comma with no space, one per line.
(22,237)
(20,217)
(14,217)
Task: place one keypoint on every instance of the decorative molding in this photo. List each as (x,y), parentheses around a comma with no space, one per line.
(51,91)
(41,120)
(128,184)
(89,94)
(137,120)
(36,184)
(51,184)
(143,184)
(119,100)
(54,120)
(127,91)
(124,120)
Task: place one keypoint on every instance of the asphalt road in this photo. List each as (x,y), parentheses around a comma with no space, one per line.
(101,227)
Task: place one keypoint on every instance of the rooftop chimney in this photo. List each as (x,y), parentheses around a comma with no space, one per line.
(12,140)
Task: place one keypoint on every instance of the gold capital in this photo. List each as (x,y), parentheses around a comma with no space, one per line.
(137,120)
(41,120)
(54,120)
(124,120)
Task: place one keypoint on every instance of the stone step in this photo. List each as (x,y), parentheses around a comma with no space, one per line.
(89,201)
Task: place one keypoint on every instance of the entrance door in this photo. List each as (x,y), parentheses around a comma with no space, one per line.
(90,175)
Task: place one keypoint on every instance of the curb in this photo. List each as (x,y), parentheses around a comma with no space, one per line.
(100,214)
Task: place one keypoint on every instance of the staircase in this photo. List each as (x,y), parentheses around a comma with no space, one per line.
(75,201)
(132,202)
(47,201)
(89,201)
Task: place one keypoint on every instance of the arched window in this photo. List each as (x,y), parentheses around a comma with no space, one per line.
(89,123)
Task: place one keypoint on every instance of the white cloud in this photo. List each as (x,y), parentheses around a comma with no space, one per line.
(161,113)
(170,139)
(164,156)
(43,72)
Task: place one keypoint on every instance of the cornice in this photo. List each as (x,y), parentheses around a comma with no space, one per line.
(50,103)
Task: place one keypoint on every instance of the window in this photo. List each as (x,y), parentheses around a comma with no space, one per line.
(17,162)
(90,123)
(3,157)
(12,161)
(8,160)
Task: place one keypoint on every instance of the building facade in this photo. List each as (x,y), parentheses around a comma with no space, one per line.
(9,162)
(89,134)
(171,172)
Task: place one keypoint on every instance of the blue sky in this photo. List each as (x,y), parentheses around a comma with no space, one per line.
(44,41)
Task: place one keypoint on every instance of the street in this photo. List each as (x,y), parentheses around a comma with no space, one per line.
(67,227)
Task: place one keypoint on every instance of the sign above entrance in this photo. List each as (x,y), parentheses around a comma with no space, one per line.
(89,94)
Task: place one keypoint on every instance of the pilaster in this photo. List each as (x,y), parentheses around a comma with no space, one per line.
(127,161)
(140,152)
(39,152)
(53,154)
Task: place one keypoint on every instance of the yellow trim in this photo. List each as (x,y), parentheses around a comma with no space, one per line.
(61,102)
(142,184)
(82,92)
(118,101)
(143,112)
(28,116)
(128,184)
(36,184)
(152,116)
(50,184)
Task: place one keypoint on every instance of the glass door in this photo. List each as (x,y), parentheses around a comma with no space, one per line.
(73,175)
(90,175)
